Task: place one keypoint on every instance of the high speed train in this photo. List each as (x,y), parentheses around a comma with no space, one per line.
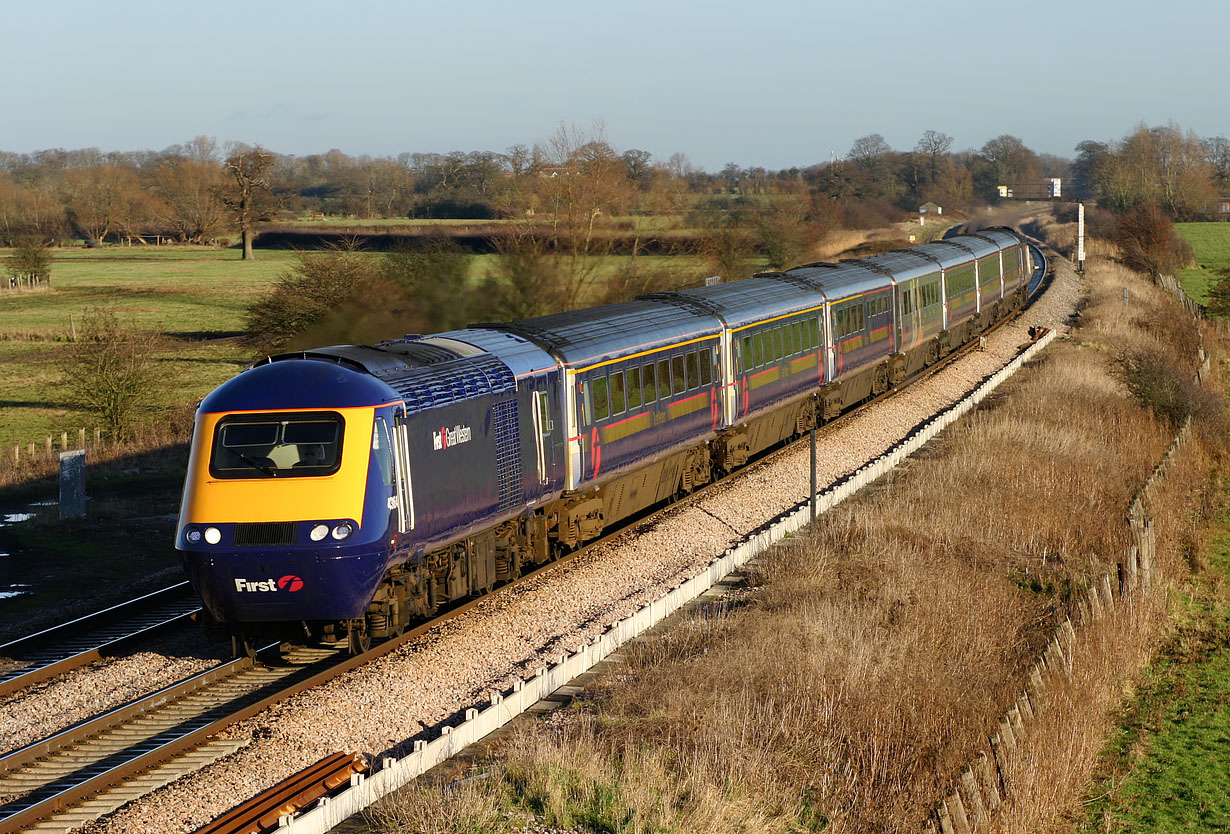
(347,491)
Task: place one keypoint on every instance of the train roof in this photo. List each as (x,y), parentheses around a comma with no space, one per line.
(522,356)
(741,302)
(424,372)
(841,280)
(298,384)
(580,338)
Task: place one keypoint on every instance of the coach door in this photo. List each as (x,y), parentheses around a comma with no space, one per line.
(401,469)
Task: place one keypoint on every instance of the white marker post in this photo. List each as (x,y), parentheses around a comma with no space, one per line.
(1080,238)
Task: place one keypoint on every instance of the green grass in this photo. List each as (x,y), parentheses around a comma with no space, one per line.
(1170,765)
(1212,244)
(197,295)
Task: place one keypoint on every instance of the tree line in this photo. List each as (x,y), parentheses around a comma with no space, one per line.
(199,192)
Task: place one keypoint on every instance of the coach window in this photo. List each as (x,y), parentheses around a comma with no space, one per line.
(758,349)
(598,394)
(664,379)
(747,357)
(651,383)
(693,374)
(678,380)
(617,392)
(706,367)
(634,388)
(777,342)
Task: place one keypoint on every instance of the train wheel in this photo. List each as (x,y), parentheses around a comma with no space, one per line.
(360,639)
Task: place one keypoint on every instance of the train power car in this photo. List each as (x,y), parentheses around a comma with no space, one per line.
(344,492)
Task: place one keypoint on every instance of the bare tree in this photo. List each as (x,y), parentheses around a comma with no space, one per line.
(248,191)
(1219,158)
(100,199)
(932,147)
(867,150)
(189,179)
(579,182)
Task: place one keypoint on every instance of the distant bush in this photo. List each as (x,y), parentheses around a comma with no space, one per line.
(30,264)
(869,213)
(454,208)
(1149,243)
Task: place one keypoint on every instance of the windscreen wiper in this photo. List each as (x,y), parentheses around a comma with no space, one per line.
(273,473)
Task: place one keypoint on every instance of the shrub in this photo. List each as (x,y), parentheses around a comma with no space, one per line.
(1164,387)
(29,264)
(112,370)
(1149,244)
(306,295)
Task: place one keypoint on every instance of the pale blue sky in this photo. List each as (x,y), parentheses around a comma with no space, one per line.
(768,83)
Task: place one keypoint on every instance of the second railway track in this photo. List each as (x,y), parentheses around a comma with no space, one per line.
(54,651)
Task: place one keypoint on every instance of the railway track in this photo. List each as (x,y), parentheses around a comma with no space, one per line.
(45,654)
(49,777)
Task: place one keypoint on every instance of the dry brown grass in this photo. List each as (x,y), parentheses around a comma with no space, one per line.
(873,658)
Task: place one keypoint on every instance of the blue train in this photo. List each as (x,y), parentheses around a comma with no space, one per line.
(348,491)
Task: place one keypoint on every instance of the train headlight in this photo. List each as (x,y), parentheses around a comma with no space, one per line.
(342,530)
(192,536)
(319,532)
(213,535)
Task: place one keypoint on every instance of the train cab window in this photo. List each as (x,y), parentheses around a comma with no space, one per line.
(634,388)
(651,384)
(664,379)
(305,444)
(693,371)
(679,382)
(598,395)
(706,367)
(618,401)
(382,450)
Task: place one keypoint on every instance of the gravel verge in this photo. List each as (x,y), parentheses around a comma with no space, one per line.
(388,703)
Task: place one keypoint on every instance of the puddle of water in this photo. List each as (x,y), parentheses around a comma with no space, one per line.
(11,593)
(15,518)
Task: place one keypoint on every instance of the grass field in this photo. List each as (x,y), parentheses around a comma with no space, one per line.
(1171,761)
(195,295)
(1212,244)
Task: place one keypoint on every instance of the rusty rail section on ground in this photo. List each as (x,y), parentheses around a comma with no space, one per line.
(264,811)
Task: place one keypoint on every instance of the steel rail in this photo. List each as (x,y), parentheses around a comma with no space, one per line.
(53,651)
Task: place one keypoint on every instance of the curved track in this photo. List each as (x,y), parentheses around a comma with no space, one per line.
(56,650)
(52,775)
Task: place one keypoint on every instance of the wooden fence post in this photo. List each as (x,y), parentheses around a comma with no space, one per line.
(978,811)
(48,443)
(81,438)
(956,810)
(1106,592)
(989,782)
